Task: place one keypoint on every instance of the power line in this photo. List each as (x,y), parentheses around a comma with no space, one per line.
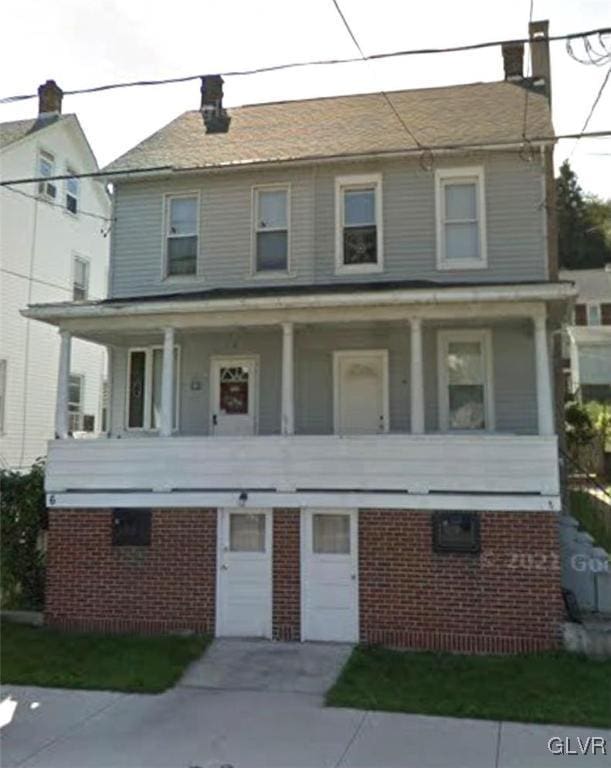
(406,128)
(42,282)
(80,211)
(436,148)
(597,98)
(600,32)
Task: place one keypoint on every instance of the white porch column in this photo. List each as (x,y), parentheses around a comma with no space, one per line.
(167,384)
(62,424)
(416,378)
(288,387)
(544,383)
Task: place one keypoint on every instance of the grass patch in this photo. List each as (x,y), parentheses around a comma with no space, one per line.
(539,688)
(590,518)
(49,658)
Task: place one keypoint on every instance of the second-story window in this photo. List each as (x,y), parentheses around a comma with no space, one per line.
(75,402)
(145,368)
(46,169)
(181,235)
(593,314)
(80,279)
(358,204)
(72,193)
(461,219)
(271,229)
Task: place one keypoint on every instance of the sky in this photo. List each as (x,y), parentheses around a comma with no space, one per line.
(81,44)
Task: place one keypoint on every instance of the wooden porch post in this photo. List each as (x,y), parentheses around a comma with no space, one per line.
(544,385)
(288,387)
(416,378)
(167,384)
(62,424)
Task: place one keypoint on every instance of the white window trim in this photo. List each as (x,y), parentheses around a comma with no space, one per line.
(77,257)
(455,175)
(167,198)
(44,195)
(354,182)
(81,411)
(70,171)
(148,389)
(254,207)
(589,306)
(484,336)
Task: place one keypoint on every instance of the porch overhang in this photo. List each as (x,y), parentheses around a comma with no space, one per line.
(93,320)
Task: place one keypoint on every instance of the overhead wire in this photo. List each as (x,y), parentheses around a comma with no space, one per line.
(597,98)
(600,32)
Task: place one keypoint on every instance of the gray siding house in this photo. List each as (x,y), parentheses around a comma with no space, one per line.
(331,400)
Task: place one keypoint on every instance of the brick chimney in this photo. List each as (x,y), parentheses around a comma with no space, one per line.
(215,116)
(49,99)
(539,56)
(513,61)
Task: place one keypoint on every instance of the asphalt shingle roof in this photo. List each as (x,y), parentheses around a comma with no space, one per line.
(476,114)
(17,129)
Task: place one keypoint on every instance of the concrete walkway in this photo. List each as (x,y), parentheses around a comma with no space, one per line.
(261,665)
(204,728)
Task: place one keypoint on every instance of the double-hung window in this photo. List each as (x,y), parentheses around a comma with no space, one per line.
(465,380)
(358,214)
(72,192)
(461,218)
(594,315)
(144,388)
(46,169)
(75,402)
(80,279)
(182,235)
(271,229)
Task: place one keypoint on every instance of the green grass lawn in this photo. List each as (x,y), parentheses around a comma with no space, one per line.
(539,688)
(584,510)
(46,657)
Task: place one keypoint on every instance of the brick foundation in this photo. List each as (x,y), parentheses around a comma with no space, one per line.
(505,600)
(286,620)
(168,586)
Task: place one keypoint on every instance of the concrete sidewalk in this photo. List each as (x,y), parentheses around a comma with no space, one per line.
(204,728)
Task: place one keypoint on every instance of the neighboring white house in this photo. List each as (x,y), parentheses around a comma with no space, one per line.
(588,344)
(53,247)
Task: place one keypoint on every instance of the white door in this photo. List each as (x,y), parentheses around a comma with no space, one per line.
(244,595)
(330,575)
(361,392)
(233,395)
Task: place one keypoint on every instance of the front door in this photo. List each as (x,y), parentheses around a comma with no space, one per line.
(245,573)
(330,575)
(233,395)
(361,392)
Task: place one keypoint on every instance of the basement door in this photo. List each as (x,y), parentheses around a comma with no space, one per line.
(244,584)
(233,394)
(361,392)
(330,575)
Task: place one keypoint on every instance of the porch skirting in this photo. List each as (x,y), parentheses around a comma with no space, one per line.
(506,599)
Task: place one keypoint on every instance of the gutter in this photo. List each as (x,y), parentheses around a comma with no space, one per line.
(544,292)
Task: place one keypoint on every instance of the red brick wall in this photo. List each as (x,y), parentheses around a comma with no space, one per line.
(168,586)
(286,620)
(507,599)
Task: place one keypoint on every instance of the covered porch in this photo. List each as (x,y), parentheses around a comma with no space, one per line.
(416,401)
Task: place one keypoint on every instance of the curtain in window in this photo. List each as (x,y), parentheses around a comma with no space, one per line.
(466,385)
(246,532)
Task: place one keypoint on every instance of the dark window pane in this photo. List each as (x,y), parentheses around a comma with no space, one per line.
(360,245)
(580,314)
(456,532)
(271,251)
(71,204)
(131,527)
(136,389)
(182,255)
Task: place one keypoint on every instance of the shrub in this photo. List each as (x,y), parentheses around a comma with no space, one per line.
(23,519)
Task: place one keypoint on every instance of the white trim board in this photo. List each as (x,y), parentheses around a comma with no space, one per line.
(341,500)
